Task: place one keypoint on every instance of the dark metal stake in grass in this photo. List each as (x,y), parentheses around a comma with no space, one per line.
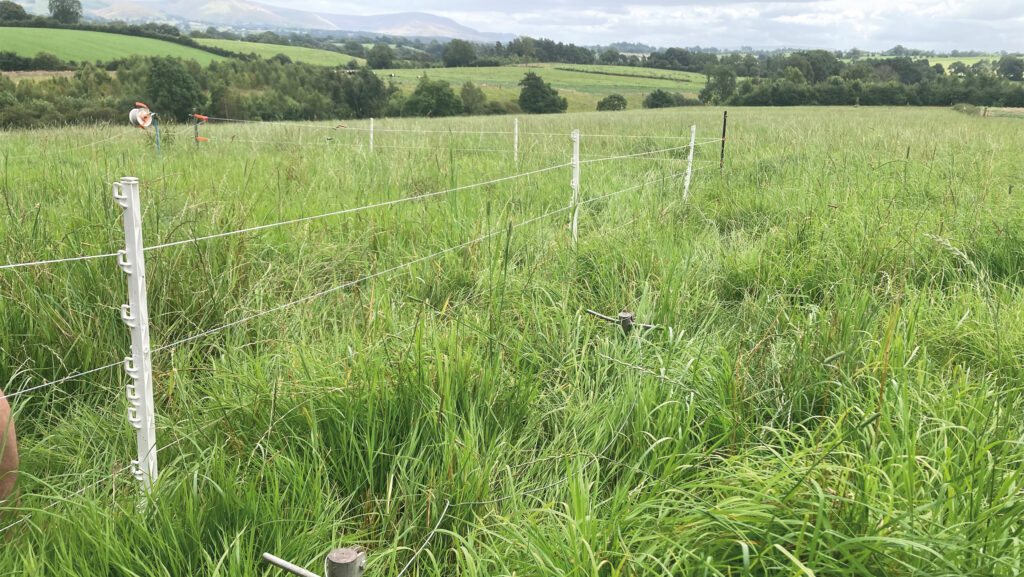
(626,320)
(725,121)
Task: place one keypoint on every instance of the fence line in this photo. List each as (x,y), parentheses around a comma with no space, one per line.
(293,221)
(648,153)
(463,132)
(358,145)
(73,148)
(344,285)
(637,136)
(356,128)
(401,266)
(357,209)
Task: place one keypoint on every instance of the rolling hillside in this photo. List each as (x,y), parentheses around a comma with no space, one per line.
(80,45)
(296,53)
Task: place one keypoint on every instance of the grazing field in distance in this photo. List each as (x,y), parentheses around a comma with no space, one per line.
(833,386)
(582,85)
(87,46)
(296,53)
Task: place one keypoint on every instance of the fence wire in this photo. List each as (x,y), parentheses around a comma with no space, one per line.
(403,265)
(357,209)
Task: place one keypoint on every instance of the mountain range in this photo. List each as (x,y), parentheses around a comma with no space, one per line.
(243,14)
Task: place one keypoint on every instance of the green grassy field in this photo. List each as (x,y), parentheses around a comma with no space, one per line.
(296,53)
(582,85)
(81,45)
(834,389)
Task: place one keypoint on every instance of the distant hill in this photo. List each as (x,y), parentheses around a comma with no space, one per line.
(248,14)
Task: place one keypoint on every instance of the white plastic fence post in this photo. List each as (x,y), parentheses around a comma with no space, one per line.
(689,164)
(515,140)
(135,314)
(371,134)
(575,183)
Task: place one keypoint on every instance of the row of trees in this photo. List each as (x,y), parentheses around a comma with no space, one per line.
(62,11)
(981,91)
(819,65)
(818,77)
(253,90)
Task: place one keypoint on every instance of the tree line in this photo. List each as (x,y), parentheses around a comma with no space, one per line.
(817,77)
(270,90)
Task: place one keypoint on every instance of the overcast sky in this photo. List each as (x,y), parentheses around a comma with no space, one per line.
(867,24)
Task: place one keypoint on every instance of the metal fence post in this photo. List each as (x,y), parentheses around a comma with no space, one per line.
(135,314)
(575,183)
(689,164)
(348,562)
(371,134)
(725,121)
(515,140)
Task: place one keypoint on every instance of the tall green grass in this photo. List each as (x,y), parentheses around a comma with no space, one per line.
(835,390)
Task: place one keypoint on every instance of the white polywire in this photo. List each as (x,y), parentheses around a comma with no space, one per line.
(359,129)
(584,134)
(331,143)
(94,483)
(497,132)
(357,209)
(79,147)
(75,494)
(395,268)
(648,153)
(426,541)
(327,143)
(57,260)
(65,379)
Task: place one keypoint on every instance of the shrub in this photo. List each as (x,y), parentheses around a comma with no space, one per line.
(474,101)
(432,98)
(664,99)
(538,97)
(172,89)
(612,102)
